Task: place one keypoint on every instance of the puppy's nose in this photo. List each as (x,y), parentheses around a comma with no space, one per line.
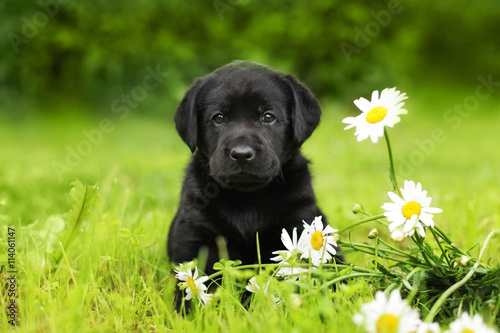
(242,153)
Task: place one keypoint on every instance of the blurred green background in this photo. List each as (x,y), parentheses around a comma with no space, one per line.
(88,90)
(73,69)
(56,52)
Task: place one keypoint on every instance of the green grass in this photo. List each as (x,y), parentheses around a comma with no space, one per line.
(115,276)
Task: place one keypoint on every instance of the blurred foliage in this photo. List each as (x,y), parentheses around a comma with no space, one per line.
(95,51)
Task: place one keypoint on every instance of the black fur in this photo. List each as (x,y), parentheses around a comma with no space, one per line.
(246,175)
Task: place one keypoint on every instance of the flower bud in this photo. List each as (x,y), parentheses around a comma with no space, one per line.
(373,234)
(296,300)
(398,235)
(464,260)
(357,208)
(336,238)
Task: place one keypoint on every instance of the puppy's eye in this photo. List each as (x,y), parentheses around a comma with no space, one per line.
(268,117)
(218,118)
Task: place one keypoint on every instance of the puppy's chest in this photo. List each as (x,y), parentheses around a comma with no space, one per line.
(245,220)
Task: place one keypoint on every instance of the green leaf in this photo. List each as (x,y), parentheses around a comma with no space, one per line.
(218,266)
(346,271)
(385,271)
(481,270)
(85,198)
(233,263)
(108,259)
(125,233)
(139,231)
(226,264)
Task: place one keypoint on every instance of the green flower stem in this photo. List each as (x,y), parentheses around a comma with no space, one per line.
(443,235)
(418,240)
(391,162)
(331,274)
(323,255)
(350,276)
(442,250)
(258,252)
(447,239)
(375,266)
(359,222)
(408,286)
(413,272)
(496,310)
(342,266)
(305,265)
(63,254)
(391,287)
(361,248)
(413,289)
(491,234)
(397,251)
(353,268)
(252,266)
(383,250)
(435,308)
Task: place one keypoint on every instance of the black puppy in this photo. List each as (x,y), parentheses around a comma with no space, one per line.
(245,123)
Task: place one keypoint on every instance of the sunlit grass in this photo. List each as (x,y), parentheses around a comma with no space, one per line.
(115,276)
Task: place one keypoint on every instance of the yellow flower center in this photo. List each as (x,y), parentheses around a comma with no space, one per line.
(317,240)
(192,286)
(376,114)
(468,330)
(387,323)
(411,208)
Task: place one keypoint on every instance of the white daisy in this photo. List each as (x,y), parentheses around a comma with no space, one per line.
(412,212)
(317,243)
(468,324)
(289,258)
(388,315)
(428,328)
(291,244)
(255,288)
(194,286)
(376,114)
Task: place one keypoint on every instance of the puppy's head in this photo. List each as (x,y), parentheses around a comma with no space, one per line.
(247,119)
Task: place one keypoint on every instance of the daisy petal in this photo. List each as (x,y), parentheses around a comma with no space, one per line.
(363,104)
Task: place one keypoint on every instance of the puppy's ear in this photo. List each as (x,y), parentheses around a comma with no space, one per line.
(306,111)
(186,116)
